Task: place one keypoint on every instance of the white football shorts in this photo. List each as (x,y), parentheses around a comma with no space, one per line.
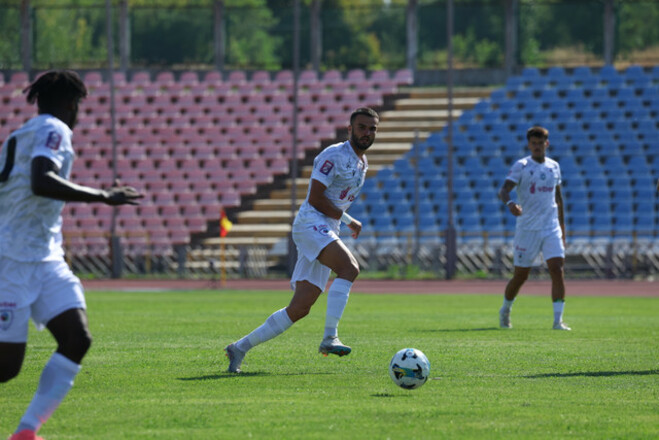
(40,290)
(310,240)
(528,245)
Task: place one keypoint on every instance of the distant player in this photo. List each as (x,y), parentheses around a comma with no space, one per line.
(540,223)
(35,281)
(337,177)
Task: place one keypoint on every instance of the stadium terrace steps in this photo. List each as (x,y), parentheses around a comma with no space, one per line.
(403,121)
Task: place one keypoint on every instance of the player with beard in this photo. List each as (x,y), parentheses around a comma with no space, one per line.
(337,177)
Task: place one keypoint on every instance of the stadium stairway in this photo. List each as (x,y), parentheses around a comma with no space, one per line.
(411,115)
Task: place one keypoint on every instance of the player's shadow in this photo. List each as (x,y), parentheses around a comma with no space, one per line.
(248,374)
(458,330)
(594,374)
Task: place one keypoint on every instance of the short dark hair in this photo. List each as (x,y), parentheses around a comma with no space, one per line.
(53,87)
(366,111)
(538,132)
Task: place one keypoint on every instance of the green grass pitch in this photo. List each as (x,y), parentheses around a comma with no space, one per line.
(157,370)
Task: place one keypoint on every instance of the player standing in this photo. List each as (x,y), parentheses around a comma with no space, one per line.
(35,281)
(540,223)
(337,177)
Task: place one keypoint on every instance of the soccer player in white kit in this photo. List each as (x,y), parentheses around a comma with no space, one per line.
(337,177)
(540,223)
(35,281)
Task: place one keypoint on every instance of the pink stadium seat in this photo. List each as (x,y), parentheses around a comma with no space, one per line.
(332,77)
(237,77)
(165,77)
(93,79)
(284,77)
(189,78)
(196,223)
(213,77)
(141,78)
(307,77)
(19,79)
(230,199)
(404,77)
(178,236)
(260,77)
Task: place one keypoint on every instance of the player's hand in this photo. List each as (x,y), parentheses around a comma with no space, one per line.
(356,227)
(122,195)
(515,209)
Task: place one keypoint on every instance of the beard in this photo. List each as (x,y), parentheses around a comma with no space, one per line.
(361,143)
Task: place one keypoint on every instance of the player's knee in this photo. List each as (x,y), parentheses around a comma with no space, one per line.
(76,345)
(297,312)
(350,271)
(556,271)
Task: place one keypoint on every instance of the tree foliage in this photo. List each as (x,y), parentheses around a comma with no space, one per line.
(355,33)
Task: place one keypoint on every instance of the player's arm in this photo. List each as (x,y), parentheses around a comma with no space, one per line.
(318,200)
(559,204)
(46,182)
(504,196)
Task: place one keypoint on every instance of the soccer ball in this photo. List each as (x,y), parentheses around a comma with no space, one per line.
(409,368)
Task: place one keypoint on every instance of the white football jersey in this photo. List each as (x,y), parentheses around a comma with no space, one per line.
(343,173)
(30,225)
(536,193)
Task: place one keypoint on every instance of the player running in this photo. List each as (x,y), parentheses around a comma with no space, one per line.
(35,281)
(337,177)
(540,223)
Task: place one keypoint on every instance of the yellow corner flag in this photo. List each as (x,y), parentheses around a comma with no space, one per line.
(225,224)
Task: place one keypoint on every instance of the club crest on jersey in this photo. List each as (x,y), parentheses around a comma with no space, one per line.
(53,140)
(6,318)
(322,229)
(327,167)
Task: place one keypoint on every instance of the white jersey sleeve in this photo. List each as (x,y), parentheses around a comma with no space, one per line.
(30,226)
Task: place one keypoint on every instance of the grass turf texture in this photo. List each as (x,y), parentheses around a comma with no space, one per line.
(157,370)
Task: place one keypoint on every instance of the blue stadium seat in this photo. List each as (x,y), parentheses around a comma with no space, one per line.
(493,223)
(635,71)
(614,165)
(382,223)
(582,72)
(514,82)
(404,223)
(608,71)
(578,225)
(645,227)
(623,226)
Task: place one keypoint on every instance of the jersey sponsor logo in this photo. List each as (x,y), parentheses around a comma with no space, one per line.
(6,317)
(53,140)
(534,188)
(344,193)
(327,167)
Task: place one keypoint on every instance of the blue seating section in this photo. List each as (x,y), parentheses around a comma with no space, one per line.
(604,132)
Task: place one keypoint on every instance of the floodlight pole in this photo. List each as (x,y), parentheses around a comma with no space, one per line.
(115,245)
(292,251)
(450,236)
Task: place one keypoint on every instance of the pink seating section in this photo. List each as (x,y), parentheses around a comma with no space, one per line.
(193,142)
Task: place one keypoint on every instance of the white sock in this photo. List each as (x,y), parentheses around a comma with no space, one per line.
(559,305)
(276,324)
(507,303)
(55,382)
(337,298)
